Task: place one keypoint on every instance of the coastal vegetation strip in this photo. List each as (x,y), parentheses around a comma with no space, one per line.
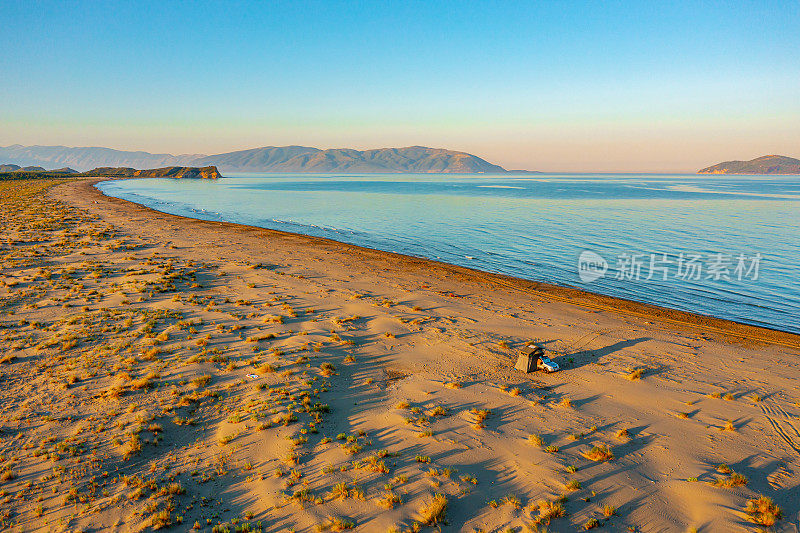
(113,172)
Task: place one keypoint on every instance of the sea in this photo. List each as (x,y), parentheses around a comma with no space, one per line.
(719,245)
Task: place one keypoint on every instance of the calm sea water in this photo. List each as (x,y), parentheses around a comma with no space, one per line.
(732,243)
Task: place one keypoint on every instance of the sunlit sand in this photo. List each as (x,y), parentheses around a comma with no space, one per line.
(158,371)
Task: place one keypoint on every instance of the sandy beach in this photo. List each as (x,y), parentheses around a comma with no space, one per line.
(164,372)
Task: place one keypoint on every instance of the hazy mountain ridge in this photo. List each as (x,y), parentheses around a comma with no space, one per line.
(768,164)
(17,168)
(255,159)
(307,159)
(87,158)
(267,159)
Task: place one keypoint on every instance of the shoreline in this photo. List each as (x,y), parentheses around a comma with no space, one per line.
(543,291)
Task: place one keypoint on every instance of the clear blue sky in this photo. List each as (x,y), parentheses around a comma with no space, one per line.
(551,85)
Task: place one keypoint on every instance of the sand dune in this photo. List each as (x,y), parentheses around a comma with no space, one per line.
(158,372)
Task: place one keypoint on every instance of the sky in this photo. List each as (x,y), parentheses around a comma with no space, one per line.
(555,86)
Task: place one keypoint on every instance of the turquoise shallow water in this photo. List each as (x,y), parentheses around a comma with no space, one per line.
(732,243)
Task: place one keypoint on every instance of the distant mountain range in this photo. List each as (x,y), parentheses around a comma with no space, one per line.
(267,159)
(15,168)
(305,159)
(86,158)
(14,172)
(768,164)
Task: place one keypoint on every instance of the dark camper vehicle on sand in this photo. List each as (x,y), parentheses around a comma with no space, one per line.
(532,358)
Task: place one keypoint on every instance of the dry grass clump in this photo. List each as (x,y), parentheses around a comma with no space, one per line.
(340,491)
(599,453)
(733,480)
(301,497)
(453,385)
(172,489)
(144,382)
(160,519)
(549,510)
(592,523)
(334,523)
(433,511)
(635,374)
(132,447)
(8,474)
(265,368)
(388,500)
(339,321)
(151,354)
(535,440)
(763,511)
(438,411)
(480,415)
(201,381)
(372,464)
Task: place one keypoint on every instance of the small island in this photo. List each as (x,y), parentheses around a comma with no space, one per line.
(207,173)
(768,164)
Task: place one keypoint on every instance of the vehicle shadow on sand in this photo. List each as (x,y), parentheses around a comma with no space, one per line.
(587,356)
